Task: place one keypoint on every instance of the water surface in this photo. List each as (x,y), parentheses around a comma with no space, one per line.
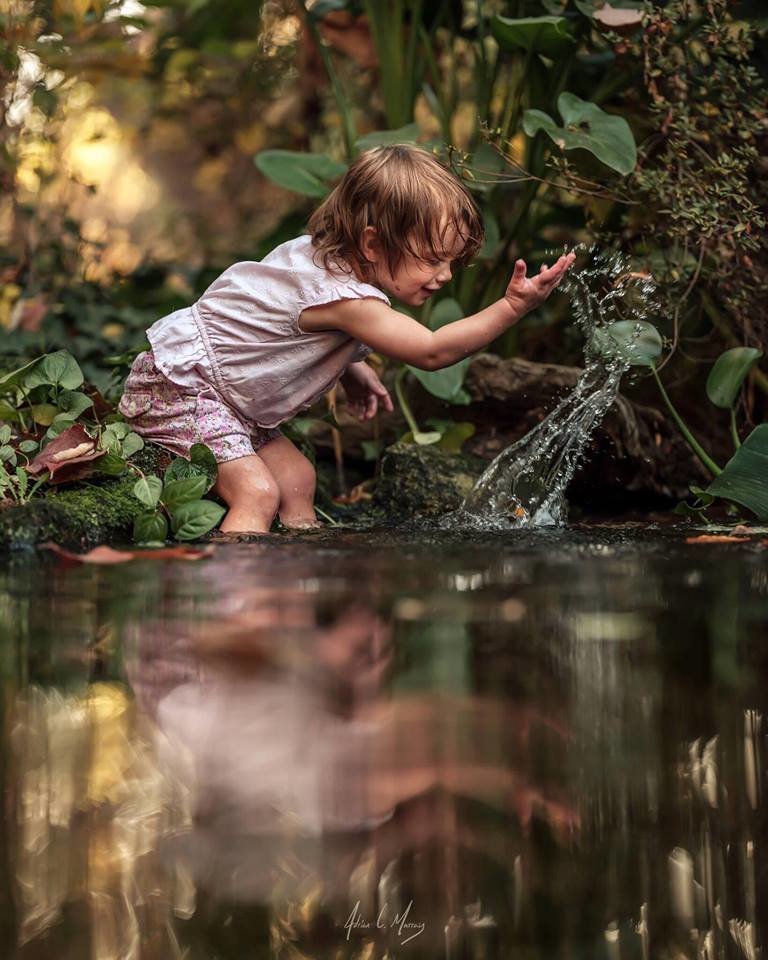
(542,745)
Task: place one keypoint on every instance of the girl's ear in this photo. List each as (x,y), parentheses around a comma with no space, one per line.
(370,245)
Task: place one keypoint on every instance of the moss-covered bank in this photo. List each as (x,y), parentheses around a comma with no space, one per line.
(84,515)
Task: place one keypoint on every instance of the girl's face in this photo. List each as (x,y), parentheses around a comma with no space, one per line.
(415,280)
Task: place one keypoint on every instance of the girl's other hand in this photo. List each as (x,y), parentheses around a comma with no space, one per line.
(526,293)
(365,392)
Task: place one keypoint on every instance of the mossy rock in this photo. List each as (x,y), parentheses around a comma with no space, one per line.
(80,515)
(420,482)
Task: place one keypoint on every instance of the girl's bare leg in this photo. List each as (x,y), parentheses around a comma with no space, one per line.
(251,492)
(295,478)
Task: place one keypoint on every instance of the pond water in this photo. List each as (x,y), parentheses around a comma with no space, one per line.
(542,745)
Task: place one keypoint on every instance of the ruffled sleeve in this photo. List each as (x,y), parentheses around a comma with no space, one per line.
(316,294)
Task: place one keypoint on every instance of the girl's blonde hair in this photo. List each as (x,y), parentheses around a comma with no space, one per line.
(412,201)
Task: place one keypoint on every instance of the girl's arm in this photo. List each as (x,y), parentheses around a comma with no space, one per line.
(396,335)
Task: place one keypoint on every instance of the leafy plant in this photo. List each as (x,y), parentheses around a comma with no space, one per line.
(177,500)
(744,479)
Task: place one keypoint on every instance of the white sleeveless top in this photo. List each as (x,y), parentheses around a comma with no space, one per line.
(241,341)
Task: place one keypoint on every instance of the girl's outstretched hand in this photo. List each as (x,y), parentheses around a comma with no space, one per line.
(365,392)
(526,293)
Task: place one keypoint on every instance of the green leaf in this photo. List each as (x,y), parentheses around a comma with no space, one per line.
(202,456)
(635,341)
(44,413)
(587,127)
(110,464)
(8,411)
(547,35)
(310,174)
(28,446)
(7,454)
(22,480)
(446,383)
(14,377)
(147,490)
(444,311)
(183,491)
(150,527)
(728,374)
(423,439)
(744,479)
(132,444)
(407,134)
(57,369)
(5,434)
(453,438)
(191,520)
(73,403)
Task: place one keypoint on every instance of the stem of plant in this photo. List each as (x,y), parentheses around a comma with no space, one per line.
(734,429)
(409,418)
(692,442)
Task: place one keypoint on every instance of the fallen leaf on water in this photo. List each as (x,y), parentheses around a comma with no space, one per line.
(716,538)
(108,555)
(66,455)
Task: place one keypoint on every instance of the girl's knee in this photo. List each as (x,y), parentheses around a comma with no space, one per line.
(302,480)
(243,484)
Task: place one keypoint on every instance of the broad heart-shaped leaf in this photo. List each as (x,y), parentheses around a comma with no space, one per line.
(407,134)
(547,35)
(177,492)
(132,444)
(444,311)
(202,457)
(191,520)
(728,374)
(446,383)
(310,174)
(635,341)
(150,527)
(57,369)
(744,479)
(587,127)
(148,490)
(73,403)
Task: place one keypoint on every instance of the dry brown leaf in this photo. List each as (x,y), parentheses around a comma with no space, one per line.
(66,455)
(716,538)
(107,555)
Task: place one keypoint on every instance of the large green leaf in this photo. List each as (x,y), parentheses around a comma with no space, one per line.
(635,341)
(446,383)
(745,477)
(57,369)
(191,520)
(728,374)
(150,527)
(176,492)
(587,127)
(407,134)
(148,490)
(444,311)
(547,35)
(308,173)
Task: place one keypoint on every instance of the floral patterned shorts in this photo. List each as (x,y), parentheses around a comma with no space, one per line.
(169,416)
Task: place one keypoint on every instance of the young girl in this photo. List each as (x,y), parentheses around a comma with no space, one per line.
(267,339)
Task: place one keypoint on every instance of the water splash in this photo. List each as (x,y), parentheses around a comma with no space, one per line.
(525,485)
